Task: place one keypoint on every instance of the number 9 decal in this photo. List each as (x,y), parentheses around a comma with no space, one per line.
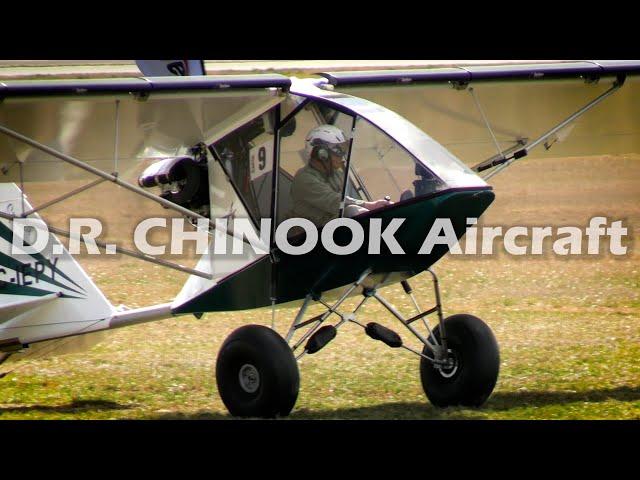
(262,158)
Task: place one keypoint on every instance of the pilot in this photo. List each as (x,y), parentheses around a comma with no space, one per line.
(316,191)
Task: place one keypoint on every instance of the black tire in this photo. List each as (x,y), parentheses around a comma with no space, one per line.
(269,393)
(477,358)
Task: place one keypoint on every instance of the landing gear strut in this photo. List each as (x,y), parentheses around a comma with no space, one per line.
(460,360)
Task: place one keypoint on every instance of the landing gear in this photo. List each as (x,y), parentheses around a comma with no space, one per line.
(470,372)
(257,370)
(257,374)
(460,360)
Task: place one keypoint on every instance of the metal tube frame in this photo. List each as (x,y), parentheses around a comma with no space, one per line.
(345,183)
(496,160)
(439,349)
(299,316)
(64,197)
(349,317)
(275,173)
(486,121)
(103,177)
(124,251)
(95,171)
(318,321)
(436,287)
(619,82)
(615,87)
(403,320)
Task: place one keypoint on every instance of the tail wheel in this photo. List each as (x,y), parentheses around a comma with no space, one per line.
(474,362)
(257,374)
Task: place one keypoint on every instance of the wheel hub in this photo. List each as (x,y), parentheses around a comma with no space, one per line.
(249,378)
(450,368)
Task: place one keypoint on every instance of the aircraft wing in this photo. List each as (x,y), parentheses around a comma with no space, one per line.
(488,112)
(113,123)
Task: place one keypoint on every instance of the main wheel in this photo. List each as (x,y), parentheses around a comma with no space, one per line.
(257,374)
(472,372)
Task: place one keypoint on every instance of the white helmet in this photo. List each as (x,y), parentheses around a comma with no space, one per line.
(328,136)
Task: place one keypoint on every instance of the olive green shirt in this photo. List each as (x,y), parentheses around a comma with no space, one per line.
(316,196)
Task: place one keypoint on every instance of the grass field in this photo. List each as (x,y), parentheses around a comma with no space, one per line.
(568,328)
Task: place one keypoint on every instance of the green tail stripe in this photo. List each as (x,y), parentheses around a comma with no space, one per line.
(64,295)
(12,263)
(7,234)
(7,288)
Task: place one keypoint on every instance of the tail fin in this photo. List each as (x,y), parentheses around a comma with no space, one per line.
(43,295)
(165,68)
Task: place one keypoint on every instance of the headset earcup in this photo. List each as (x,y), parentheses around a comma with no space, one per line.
(320,152)
(323,153)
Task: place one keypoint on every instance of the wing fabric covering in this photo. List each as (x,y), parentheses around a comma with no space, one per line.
(120,125)
(516,110)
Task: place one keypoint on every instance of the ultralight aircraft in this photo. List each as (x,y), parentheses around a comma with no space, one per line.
(230,147)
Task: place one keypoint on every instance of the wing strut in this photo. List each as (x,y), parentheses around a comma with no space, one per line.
(125,251)
(103,176)
(503,162)
(486,122)
(62,197)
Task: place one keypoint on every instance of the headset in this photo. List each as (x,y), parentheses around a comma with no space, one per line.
(322,152)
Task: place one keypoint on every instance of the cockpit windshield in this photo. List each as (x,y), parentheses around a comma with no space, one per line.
(380,167)
(400,134)
(335,156)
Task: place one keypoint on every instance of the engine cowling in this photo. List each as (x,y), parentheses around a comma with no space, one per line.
(182,180)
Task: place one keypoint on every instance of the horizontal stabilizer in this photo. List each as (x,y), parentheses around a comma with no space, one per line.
(44,294)
(13,309)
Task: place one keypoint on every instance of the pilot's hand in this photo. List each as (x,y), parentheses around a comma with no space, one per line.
(377,204)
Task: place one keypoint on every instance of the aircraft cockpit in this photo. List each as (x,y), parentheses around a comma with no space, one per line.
(385,158)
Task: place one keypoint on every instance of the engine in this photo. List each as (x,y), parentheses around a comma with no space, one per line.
(182,180)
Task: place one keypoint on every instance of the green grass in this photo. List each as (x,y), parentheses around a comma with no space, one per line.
(574,363)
